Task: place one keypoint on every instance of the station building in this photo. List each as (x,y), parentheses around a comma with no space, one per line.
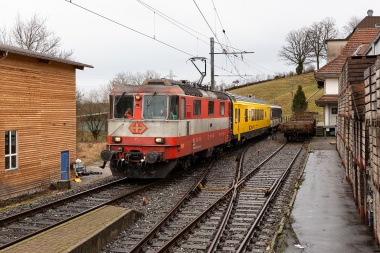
(38,119)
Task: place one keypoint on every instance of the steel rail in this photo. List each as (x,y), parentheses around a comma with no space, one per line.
(195,187)
(246,240)
(237,185)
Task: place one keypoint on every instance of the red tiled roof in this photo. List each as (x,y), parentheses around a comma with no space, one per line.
(361,37)
(327,99)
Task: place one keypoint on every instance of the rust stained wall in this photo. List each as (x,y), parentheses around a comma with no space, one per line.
(38,100)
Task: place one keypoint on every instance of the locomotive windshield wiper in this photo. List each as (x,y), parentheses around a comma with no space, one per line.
(122,95)
(151,99)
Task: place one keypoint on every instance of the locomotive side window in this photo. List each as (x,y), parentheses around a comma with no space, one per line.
(155,106)
(174,104)
(221,109)
(197,107)
(183,108)
(121,104)
(210,107)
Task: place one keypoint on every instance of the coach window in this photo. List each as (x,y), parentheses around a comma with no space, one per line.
(174,104)
(237,115)
(246,115)
(210,108)
(221,109)
(10,150)
(197,107)
(252,114)
(121,104)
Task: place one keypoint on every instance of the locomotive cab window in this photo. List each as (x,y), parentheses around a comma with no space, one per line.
(197,107)
(122,104)
(210,107)
(155,106)
(174,107)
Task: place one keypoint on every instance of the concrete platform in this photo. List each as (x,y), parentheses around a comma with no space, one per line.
(86,234)
(325,217)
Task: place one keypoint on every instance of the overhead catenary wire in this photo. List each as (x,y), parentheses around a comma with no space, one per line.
(174,22)
(212,31)
(154,37)
(129,28)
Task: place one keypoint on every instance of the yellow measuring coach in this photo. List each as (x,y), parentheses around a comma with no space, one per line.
(250,117)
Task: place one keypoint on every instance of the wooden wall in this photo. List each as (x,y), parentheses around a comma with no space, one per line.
(37,100)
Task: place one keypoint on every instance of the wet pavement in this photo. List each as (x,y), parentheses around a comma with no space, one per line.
(325,217)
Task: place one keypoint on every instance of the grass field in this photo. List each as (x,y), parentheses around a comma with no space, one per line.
(90,151)
(279,91)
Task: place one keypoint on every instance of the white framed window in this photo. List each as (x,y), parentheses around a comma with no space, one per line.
(11,150)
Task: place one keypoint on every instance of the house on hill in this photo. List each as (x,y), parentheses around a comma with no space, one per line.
(38,119)
(337,53)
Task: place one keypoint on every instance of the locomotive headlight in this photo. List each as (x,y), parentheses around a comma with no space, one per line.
(159,140)
(116,139)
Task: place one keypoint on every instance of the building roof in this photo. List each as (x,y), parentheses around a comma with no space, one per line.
(357,44)
(368,22)
(327,99)
(5,49)
(374,41)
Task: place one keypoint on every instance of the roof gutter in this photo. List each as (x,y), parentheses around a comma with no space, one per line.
(4,54)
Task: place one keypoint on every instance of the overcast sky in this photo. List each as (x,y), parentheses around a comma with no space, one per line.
(134,44)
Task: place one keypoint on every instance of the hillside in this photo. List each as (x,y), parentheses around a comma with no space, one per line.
(279,91)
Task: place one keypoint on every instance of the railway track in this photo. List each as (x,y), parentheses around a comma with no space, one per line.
(180,203)
(233,223)
(228,203)
(20,226)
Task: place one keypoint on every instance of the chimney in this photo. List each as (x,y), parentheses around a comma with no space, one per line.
(370,13)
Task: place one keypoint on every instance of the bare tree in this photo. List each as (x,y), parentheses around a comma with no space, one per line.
(34,35)
(128,78)
(349,27)
(94,113)
(298,50)
(79,103)
(4,38)
(318,33)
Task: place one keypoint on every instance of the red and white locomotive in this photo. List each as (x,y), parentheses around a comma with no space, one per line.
(171,122)
(162,123)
